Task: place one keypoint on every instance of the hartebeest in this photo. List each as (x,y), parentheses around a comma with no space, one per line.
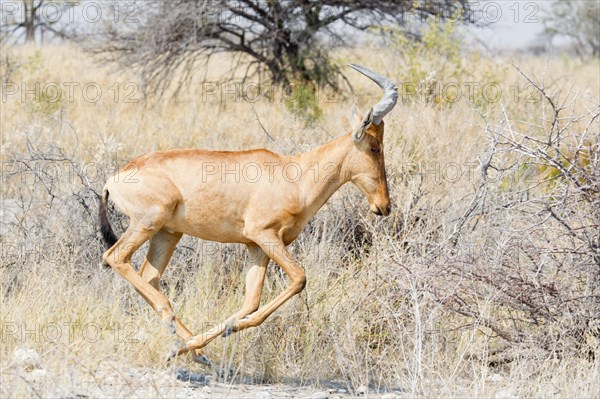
(256,197)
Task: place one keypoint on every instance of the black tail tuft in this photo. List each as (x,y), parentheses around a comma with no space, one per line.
(108,235)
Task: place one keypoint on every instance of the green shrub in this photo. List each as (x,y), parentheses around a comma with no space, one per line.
(302,100)
(437,69)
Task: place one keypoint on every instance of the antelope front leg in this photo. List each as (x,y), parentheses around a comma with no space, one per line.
(276,250)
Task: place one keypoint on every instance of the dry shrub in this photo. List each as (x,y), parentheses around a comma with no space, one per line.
(494,273)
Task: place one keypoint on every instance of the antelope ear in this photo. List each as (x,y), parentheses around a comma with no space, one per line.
(355,116)
(353,119)
(359,132)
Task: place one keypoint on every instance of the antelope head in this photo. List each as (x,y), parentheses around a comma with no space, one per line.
(367,166)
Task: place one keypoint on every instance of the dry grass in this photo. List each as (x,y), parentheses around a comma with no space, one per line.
(390,303)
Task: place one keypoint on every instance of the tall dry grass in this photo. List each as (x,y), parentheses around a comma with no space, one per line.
(470,288)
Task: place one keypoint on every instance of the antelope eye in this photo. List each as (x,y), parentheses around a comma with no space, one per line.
(375,150)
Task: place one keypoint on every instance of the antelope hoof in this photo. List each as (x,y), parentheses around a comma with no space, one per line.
(228,329)
(172,328)
(175,350)
(170,325)
(201,359)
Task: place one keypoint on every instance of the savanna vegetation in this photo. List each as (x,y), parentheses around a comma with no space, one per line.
(483,282)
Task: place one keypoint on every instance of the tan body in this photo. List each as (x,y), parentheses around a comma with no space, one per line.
(226,196)
(257,197)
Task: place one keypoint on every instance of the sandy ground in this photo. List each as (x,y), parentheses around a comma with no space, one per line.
(24,376)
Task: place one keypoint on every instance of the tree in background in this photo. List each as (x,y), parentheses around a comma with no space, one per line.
(577,20)
(27,20)
(285,41)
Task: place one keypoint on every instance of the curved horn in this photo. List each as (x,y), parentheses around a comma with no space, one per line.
(390,93)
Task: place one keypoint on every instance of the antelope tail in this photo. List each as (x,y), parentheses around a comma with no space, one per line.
(108,235)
